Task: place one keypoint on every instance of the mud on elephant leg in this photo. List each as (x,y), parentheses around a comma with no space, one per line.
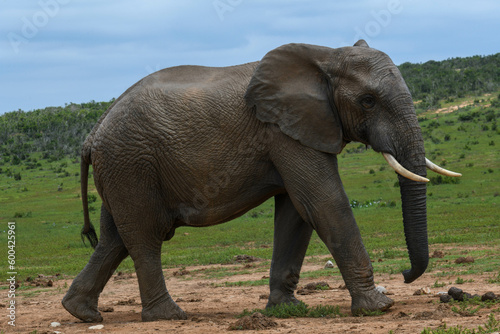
(82,297)
(291,238)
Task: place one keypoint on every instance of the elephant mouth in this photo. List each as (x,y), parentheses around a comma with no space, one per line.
(412,176)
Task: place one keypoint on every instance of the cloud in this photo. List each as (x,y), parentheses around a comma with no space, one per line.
(84,50)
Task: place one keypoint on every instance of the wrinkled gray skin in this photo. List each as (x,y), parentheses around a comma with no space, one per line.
(198,146)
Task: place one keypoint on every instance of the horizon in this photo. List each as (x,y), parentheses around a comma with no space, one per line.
(65,104)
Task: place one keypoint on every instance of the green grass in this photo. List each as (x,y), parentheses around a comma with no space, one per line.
(264,281)
(300,310)
(46,206)
(491,326)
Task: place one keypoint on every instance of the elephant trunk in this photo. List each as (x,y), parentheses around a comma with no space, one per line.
(413,197)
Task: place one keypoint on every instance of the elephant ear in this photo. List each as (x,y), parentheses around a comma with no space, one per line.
(289,88)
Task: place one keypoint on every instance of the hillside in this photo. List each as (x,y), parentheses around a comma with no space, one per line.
(433,82)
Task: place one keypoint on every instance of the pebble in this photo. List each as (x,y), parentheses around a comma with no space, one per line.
(422,291)
(445,298)
(329,264)
(456,293)
(460,295)
(488,296)
(381,289)
(55,324)
(97,327)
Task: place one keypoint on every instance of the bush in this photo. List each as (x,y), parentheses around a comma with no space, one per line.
(437,180)
(16,160)
(91,198)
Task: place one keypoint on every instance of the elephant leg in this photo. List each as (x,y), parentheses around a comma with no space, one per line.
(82,297)
(341,235)
(291,238)
(157,303)
(315,188)
(143,230)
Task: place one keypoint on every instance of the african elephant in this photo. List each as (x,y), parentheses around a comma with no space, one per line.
(198,146)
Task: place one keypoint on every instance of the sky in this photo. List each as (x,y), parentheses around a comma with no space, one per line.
(54,52)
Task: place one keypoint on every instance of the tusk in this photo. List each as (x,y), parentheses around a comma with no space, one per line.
(401,170)
(435,168)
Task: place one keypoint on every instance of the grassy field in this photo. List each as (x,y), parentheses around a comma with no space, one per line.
(43,198)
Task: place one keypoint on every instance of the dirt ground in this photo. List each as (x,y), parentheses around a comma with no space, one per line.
(212,307)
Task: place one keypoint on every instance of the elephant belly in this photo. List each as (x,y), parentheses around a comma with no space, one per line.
(224,197)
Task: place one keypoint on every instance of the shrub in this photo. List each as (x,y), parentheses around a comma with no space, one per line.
(91,198)
(437,180)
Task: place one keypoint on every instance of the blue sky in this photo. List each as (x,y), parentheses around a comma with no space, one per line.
(54,52)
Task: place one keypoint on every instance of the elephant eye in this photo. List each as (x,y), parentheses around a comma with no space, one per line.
(368,101)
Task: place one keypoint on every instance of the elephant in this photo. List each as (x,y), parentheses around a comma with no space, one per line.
(198,146)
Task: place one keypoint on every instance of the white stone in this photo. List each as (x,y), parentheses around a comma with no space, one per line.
(55,324)
(329,264)
(97,327)
(381,289)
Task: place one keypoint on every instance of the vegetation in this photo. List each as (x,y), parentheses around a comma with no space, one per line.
(451,79)
(491,326)
(300,310)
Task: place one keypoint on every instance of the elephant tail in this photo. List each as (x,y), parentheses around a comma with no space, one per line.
(88,230)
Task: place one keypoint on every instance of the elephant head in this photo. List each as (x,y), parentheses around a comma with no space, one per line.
(326,97)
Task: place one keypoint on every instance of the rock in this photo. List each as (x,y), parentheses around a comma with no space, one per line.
(467,295)
(329,264)
(55,324)
(437,255)
(381,289)
(468,259)
(445,298)
(97,327)
(488,296)
(422,291)
(456,293)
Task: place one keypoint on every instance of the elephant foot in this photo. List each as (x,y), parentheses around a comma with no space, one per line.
(165,310)
(83,308)
(278,297)
(370,301)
